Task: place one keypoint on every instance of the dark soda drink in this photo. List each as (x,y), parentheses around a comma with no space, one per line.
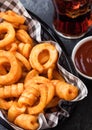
(71,17)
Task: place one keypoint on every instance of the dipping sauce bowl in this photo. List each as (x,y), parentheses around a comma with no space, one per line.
(82,57)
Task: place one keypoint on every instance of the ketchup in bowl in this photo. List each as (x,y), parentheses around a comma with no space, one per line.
(82,57)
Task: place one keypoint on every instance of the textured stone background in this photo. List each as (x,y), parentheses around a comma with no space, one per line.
(42,8)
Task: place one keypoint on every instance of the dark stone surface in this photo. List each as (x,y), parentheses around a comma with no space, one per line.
(2,127)
(81,117)
(42,8)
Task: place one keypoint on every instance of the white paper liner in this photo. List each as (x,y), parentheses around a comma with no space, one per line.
(51,119)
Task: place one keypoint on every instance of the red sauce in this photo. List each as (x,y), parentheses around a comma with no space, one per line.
(83,58)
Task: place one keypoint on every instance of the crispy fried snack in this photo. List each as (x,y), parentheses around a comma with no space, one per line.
(26,121)
(12,47)
(30,75)
(29,95)
(24,49)
(11,16)
(24,61)
(5,104)
(35,52)
(9,36)
(15,110)
(50,72)
(24,37)
(38,108)
(15,71)
(42,80)
(66,91)
(10,91)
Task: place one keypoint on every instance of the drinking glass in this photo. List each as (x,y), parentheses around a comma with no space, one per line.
(72,17)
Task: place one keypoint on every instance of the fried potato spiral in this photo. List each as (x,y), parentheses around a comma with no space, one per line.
(29,95)
(53,55)
(24,49)
(42,80)
(36,109)
(23,36)
(26,121)
(23,60)
(10,91)
(66,91)
(12,17)
(15,110)
(5,104)
(30,75)
(15,70)
(10,34)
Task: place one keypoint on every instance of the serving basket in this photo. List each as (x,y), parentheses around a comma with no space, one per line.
(65,64)
(48,34)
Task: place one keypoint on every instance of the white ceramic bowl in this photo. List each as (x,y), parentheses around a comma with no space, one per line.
(76,48)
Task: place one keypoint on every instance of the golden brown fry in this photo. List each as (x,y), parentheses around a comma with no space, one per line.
(50,73)
(66,91)
(35,52)
(3,60)
(13,17)
(27,122)
(5,104)
(42,81)
(24,49)
(9,36)
(30,75)
(15,110)
(36,109)
(15,25)
(9,91)
(12,47)
(15,69)
(29,95)
(21,58)
(24,37)
(24,27)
